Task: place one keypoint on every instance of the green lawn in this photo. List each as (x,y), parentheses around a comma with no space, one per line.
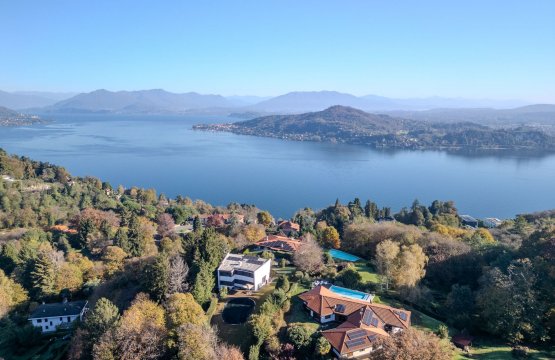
(495,350)
(367,273)
(298,314)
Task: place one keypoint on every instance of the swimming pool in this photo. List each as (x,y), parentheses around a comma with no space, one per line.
(342,255)
(353,294)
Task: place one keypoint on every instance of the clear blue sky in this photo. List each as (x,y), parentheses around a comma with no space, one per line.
(475,49)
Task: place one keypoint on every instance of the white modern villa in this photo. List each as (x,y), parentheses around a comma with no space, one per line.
(50,317)
(244,272)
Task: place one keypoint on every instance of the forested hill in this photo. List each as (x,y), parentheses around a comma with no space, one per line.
(352,126)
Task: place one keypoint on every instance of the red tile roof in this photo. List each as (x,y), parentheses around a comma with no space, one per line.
(289,225)
(325,302)
(280,243)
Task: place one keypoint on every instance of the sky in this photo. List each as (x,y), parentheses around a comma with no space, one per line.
(472,49)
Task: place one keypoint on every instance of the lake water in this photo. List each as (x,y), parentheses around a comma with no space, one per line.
(162,152)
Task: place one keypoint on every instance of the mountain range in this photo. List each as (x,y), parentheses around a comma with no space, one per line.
(161,101)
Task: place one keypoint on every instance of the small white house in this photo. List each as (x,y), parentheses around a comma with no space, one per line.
(244,272)
(50,317)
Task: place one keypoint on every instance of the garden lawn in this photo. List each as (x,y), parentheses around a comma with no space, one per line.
(366,272)
(496,350)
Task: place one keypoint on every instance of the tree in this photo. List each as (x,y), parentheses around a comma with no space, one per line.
(140,236)
(196,342)
(264,218)
(309,256)
(179,270)
(204,283)
(385,260)
(254,232)
(11,294)
(410,267)
(68,277)
(104,316)
(183,309)
(113,258)
(283,283)
(349,277)
(508,302)
(157,277)
(197,225)
(323,346)
(43,275)
(459,306)
(166,225)
(330,238)
(410,344)
(299,335)
(141,332)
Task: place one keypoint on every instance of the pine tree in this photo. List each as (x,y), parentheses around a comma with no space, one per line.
(43,275)
(158,274)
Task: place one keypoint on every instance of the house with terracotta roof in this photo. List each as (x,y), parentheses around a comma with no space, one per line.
(362,322)
(287,227)
(279,243)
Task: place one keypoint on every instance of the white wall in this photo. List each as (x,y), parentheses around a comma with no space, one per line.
(49,324)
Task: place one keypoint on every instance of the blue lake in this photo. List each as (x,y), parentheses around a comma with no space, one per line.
(162,152)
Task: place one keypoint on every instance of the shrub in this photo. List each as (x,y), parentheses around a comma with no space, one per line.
(299,335)
(322,346)
(442,331)
(254,351)
(286,306)
(223,292)
(282,262)
(283,283)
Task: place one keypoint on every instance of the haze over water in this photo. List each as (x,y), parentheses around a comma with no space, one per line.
(162,152)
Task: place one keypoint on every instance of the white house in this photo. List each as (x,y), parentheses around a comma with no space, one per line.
(51,316)
(244,272)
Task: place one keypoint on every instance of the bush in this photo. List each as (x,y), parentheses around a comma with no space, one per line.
(286,306)
(283,283)
(223,292)
(272,345)
(282,262)
(299,336)
(442,331)
(267,255)
(350,278)
(254,351)
(322,346)
(278,297)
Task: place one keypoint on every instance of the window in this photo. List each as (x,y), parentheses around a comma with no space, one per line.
(51,323)
(46,327)
(39,321)
(244,273)
(68,319)
(226,273)
(61,319)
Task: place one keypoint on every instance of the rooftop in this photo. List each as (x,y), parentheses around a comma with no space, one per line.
(59,309)
(241,262)
(280,243)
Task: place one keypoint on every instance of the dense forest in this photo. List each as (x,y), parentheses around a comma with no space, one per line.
(352,126)
(151,287)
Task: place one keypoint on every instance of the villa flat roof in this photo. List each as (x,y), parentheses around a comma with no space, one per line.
(241,262)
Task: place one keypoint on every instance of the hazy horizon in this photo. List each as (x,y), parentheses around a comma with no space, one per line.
(497,50)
